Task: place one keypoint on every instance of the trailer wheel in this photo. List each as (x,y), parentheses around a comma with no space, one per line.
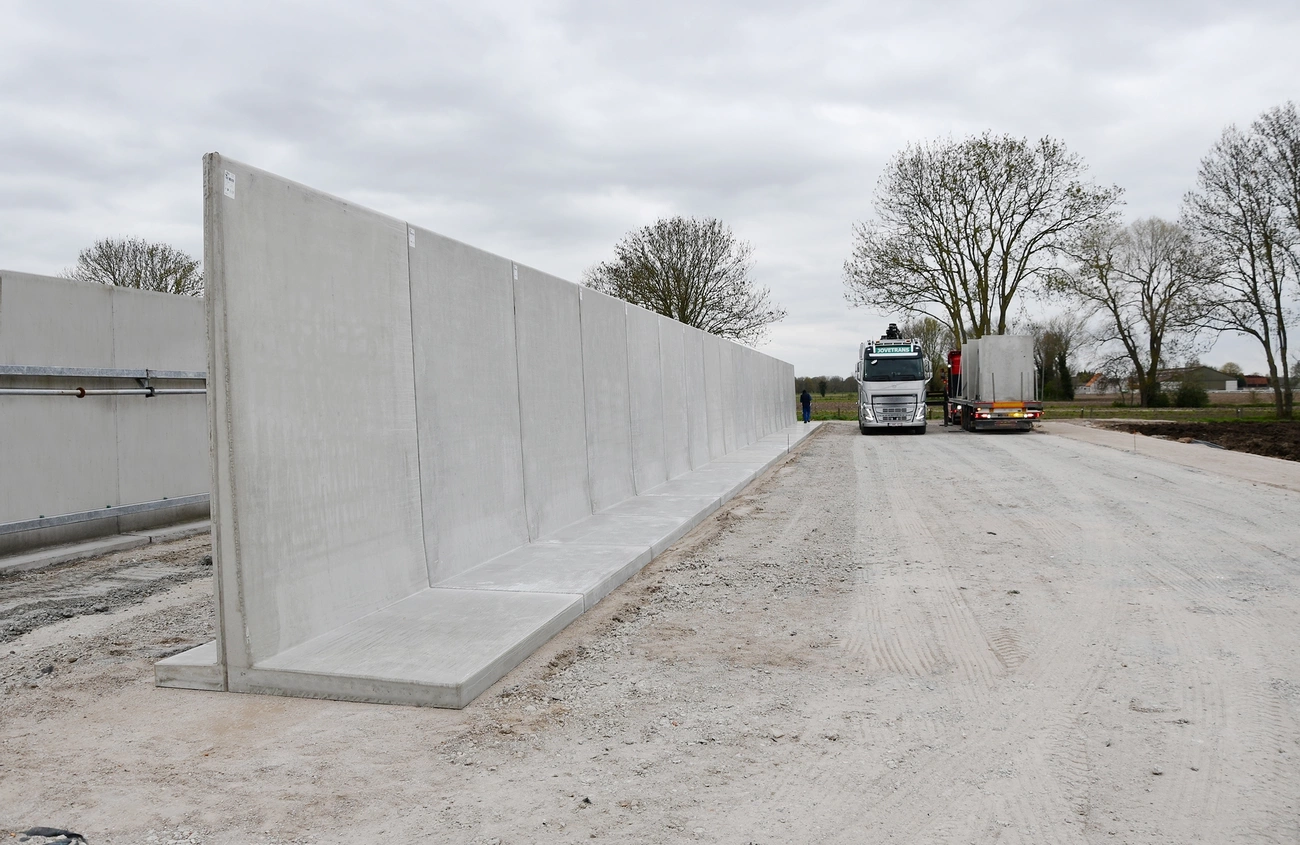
(967,421)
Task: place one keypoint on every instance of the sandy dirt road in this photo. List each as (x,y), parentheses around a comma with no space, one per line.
(948,638)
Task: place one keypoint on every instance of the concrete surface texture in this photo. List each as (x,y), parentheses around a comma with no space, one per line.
(999,368)
(422,450)
(64,455)
(956,638)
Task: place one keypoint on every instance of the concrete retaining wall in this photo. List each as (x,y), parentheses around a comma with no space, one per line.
(64,455)
(392,409)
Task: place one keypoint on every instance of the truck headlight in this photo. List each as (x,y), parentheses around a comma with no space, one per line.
(866,413)
(920,413)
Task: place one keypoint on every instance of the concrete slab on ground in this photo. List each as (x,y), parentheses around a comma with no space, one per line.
(74,551)
(648,531)
(175,532)
(195,668)
(591,571)
(1275,472)
(444,645)
(438,648)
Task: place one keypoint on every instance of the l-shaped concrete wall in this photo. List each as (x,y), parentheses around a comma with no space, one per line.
(63,456)
(392,409)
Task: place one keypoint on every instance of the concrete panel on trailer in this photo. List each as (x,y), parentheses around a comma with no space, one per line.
(697,415)
(715,387)
(471,457)
(1005,367)
(672,362)
(645,381)
(160,447)
(591,571)
(552,407)
(608,418)
(158,331)
(310,306)
(439,648)
(50,322)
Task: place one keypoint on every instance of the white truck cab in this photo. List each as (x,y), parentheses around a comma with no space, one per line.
(892,375)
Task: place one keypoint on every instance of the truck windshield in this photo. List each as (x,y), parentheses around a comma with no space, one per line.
(892,369)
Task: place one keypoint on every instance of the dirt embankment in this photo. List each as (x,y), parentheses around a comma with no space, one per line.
(1272,439)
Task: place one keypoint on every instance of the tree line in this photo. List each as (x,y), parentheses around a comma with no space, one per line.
(965,230)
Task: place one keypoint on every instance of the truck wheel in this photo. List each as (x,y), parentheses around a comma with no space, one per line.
(966,423)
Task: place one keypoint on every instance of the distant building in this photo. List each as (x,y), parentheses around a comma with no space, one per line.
(1096,384)
(1255,382)
(1207,378)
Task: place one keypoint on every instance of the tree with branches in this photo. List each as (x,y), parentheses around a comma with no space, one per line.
(961,227)
(693,270)
(1145,282)
(1245,212)
(137,263)
(1056,340)
(936,339)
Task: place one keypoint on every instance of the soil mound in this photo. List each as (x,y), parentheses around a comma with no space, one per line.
(1273,439)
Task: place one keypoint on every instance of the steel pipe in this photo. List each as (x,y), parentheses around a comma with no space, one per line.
(81,392)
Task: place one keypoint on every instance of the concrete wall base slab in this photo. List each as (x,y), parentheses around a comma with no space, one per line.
(196,668)
(445,645)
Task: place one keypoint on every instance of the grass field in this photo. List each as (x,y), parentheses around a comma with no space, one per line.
(843,406)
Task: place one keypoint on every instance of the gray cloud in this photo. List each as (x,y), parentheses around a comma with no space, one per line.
(546,130)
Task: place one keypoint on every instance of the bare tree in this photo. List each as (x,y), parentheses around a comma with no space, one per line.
(1056,339)
(1245,211)
(1144,281)
(936,339)
(695,271)
(137,263)
(961,227)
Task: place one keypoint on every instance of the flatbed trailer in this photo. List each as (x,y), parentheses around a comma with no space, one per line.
(971,399)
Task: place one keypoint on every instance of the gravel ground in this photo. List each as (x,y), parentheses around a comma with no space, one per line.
(949,638)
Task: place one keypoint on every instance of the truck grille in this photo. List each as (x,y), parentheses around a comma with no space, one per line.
(894,408)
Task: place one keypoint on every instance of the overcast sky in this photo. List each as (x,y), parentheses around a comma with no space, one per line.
(545,130)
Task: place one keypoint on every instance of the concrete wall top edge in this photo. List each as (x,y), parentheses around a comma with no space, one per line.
(221,161)
(18,275)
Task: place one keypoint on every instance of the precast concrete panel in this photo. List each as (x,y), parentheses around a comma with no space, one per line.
(160,447)
(51,322)
(749,383)
(645,381)
(467,392)
(715,388)
(552,406)
(730,396)
(57,455)
(605,376)
(311,316)
(672,362)
(788,414)
(697,397)
(158,331)
(1006,368)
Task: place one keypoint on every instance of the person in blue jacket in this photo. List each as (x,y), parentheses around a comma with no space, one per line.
(805,399)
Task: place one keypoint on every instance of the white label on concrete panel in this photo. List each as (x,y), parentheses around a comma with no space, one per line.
(410,238)
(230,184)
